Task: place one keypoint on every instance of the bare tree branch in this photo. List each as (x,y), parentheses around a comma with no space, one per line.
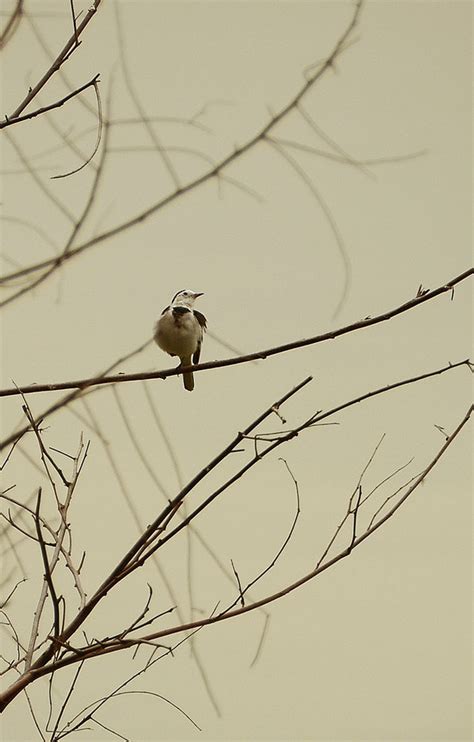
(51,106)
(100,124)
(215,171)
(12,23)
(82,384)
(47,569)
(63,55)
(41,668)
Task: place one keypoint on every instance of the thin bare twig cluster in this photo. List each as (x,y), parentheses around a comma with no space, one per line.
(59,648)
(38,272)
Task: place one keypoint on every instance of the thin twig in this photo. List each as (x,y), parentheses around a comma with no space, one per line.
(134,95)
(280,550)
(47,567)
(64,54)
(98,139)
(12,24)
(51,106)
(47,192)
(328,216)
(73,14)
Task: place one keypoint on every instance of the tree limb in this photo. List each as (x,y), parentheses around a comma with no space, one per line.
(420,298)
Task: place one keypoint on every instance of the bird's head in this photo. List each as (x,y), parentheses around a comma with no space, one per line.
(185,298)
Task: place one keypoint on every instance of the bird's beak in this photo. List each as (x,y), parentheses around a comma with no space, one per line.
(198,293)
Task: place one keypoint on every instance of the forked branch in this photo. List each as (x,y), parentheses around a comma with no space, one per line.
(60,653)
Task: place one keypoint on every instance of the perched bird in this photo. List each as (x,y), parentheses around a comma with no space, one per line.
(180,330)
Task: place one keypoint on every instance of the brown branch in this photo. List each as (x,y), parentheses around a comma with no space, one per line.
(63,55)
(6,600)
(136,100)
(345,552)
(239,584)
(244,591)
(257,355)
(340,159)
(74,23)
(65,553)
(46,191)
(51,106)
(76,394)
(259,456)
(66,700)
(301,172)
(129,500)
(98,138)
(40,670)
(51,56)
(59,539)
(45,456)
(215,171)
(144,548)
(68,729)
(191,530)
(13,445)
(47,569)
(77,224)
(118,572)
(135,443)
(12,24)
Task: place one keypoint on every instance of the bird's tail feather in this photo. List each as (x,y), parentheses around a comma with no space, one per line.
(188,378)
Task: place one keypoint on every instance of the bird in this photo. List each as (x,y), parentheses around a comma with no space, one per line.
(180,331)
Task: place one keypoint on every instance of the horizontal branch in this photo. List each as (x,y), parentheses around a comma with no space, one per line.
(421,298)
(51,106)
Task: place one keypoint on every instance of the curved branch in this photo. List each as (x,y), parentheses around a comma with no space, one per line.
(12,24)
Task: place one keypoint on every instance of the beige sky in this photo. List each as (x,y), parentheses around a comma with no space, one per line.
(378,647)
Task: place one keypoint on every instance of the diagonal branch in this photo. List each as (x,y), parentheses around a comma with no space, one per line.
(63,55)
(224,163)
(41,668)
(12,24)
(82,384)
(47,569)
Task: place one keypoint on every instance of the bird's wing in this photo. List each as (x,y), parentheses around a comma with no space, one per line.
(197,353)
(201,319)
(203,324)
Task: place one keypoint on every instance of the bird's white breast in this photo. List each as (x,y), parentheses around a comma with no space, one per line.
(178,335)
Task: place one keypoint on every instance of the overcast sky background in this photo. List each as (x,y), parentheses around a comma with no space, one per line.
(379,647)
